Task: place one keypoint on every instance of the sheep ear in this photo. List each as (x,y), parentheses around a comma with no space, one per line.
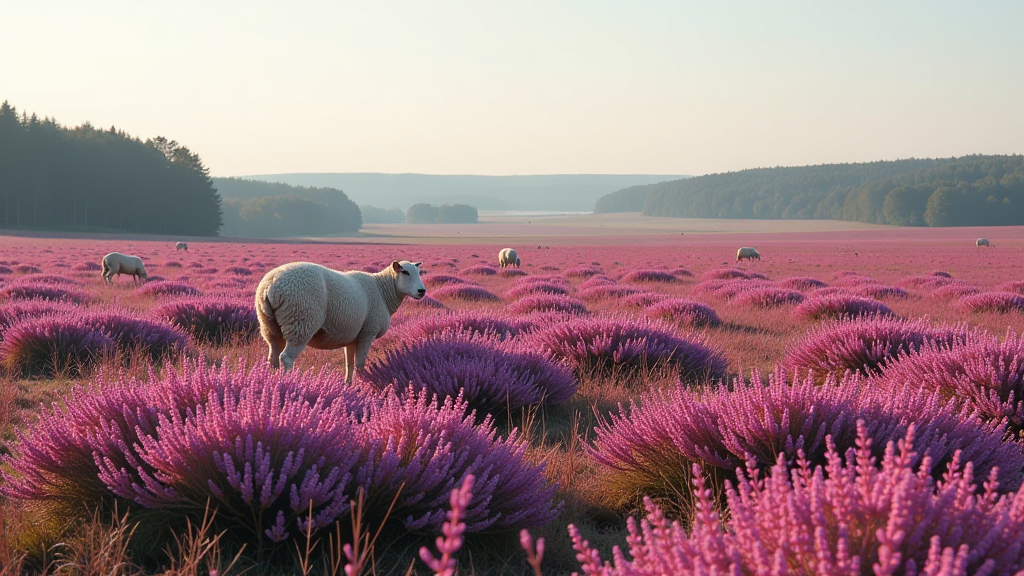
(417,264)
(396,266)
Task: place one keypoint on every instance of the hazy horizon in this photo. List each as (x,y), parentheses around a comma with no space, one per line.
(526,88)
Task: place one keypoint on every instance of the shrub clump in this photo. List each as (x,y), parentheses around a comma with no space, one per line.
(840,306)
(649,276)
(769,297)
(1001,302)
(535,288)
(583,272)
(802,283)
(167,288)
(547,303)
(598,280)
(464,292)
(213,320)
(45,292)
(435,280)
(954,291)
(480,270)
(684,312)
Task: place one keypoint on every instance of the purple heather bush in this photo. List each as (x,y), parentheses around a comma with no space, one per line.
(724,274)
(195,265)
(609,291)
(840,306)
(492,375)
(583,272)
(480,270)
(86,267)
(49,345)
(802,283)
(436,280)
(51,279)
(768,297)
(649,276)
(501,326)
(1015,286)
(926,282)
(206,271)
(846,516)
(547,303)
(985,373)
(624,346)
(730,289)
(4,270)
(238,271)
(954,291)
(831,291)
(684,312)
(131,333)
(172,264)
(643,299)
(209,319)
(167,288)
(12,312)
(543,279)
(27,269)
(681,272)
(535,288)
(424,303)
(880,291)
(864,345)
(598,280)
(511,272)
(650,447)
(466,292)
(1001,302)
(46,292)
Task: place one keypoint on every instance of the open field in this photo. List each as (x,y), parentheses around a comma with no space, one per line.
(616,359)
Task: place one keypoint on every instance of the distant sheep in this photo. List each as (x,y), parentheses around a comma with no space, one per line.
(508,257)
(982,242)
(304,304)
(748,253)
(181,246)
(117,263)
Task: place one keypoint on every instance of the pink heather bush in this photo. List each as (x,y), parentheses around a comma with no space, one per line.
(46,346)
(436,280)
(464,292)
(1001,302)
(86,267)
(599,280)
(1015,286)
(854,280)
(263,446)
(425,302)
(27,269)
(864,345)
(609,291)
(480,270)
(681,272)
(985,373)
(650,447)
(501,326)
(649,276)
(724,274)
(583,272)
(492,375)
(625,346)
(684,313)
(643,299)
(45,292)
(547,303)
(206,271)
(166,288)
(4,270)
(545,279)
(51,279)
(511,272)
(802,283)
(880,291)
(131,333)
(840,306)
(238,271)
(173,264)
(208,319)
(848,516)
(929,282)
(768,297)
(12,312)
(535,288)
(954,291)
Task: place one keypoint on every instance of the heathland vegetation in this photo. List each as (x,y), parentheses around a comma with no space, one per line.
(85,178)
(967,191)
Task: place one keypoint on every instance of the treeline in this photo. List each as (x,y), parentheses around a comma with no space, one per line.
(258,209)
(967,191)
(375,215)
(444,214)
(85,178)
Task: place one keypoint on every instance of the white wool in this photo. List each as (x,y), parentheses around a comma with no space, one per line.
(748,253)
(982,242)
(304,304)
(181,246)
(508,257)
(117,263)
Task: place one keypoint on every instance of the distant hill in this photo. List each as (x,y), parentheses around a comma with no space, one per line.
(272,210)
(966,191)
(566,192)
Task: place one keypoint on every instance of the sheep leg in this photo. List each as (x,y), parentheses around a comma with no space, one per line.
(350,362)
(276,344)
(362,350)
(291,352)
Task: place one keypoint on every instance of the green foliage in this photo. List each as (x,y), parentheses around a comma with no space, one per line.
(280,216)
(374,215)
(967,191)
(84,178)
(444,214)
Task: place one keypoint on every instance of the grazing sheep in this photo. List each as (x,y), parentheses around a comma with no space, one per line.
(304,304)
(508,257)
(748,253)
(181,246)
(982,242)
(117,263)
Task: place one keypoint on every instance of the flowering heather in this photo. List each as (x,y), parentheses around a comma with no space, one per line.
(724,274)
(842,517)
(500,326)
(435,280)
(209,319)
(543,279)
(173,264)
(27,269)
(864,345)
(831,291)
(649,276)
(51,279)
(927,282)
(492,375)
(166,288)
(599,280)
(583,272)
(452,531)
(206,271)
(426,448)
(768,297)
(609,291)
(536,288)
(954,291)
(195,265)
(4,270)
(729,289)
(466,292)
(511,272)
(684,313)
(45,292)
(802,283)
(880,291)
(425,302)
(1015,286)
(985,373)
(624,346)
(547,303)
(1001,302)
(650,448)
(681,272)
(53,344)
(12,312)
(238,271)
(643,299)
(86,267)
(480,270)
(840,306)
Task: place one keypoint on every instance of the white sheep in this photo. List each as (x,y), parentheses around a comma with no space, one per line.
(748,253)
(304,304)
(982,242)
(117,263)
(508,257)
(181,246)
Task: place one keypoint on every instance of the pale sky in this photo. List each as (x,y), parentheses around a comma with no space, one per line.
(524,87)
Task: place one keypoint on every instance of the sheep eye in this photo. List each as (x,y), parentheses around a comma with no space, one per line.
(404,272)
